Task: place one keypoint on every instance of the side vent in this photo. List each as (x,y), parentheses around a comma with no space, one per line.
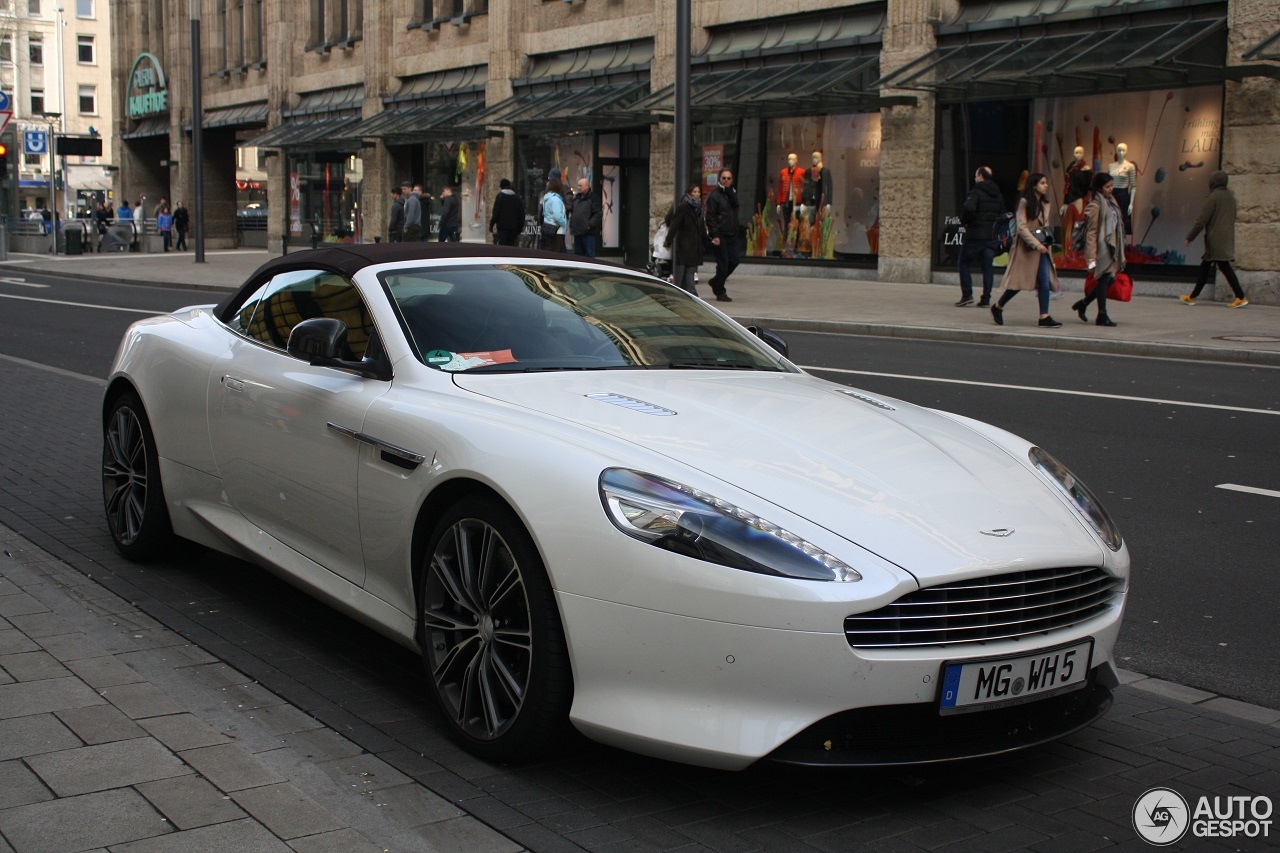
(870,400)
(630,403)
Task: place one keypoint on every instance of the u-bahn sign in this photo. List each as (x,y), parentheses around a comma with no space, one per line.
(147,93)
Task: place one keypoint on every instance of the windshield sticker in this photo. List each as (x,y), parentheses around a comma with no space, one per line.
(466,360)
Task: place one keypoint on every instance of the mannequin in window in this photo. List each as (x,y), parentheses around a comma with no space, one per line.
(790,194)
(1079,178)
(1125,176)
(817,187)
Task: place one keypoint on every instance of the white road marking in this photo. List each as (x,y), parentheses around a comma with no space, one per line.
(1097,394)
(148,311)
(1253,490)
(51,369)
(8,279)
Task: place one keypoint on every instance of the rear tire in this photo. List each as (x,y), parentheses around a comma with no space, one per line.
(492,644)
(131,490)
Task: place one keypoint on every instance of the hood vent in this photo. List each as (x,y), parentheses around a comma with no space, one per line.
(871,400)
(630,403)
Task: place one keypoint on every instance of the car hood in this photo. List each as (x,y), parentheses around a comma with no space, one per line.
(918,488)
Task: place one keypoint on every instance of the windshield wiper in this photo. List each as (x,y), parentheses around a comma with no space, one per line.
(713,365)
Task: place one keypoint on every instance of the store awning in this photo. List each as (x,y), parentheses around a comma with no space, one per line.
(1267,49)
(780,90)
(315,132)
(241,115)
(566,110)
(149,126)
(1085,55)
(406,125)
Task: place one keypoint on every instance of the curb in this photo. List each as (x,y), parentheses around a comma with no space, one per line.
(1147,349)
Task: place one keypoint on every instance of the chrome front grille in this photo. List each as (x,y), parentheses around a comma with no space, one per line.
(999,607)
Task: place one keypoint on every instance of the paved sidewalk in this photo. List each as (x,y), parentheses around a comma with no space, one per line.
(116,732)
(1152,325)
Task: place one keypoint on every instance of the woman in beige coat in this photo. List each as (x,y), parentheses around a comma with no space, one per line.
(1030,262)
(1103,245)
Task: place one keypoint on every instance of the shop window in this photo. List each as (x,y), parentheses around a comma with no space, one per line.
(35,49)
(32,161)
(84,8)
(37,102)
(85,52)
(88,100)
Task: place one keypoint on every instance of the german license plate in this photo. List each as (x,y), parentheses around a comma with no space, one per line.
(976,685)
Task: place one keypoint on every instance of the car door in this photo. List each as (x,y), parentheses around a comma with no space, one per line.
(275,420)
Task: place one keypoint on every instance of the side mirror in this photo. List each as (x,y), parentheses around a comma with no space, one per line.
(771,338)
(322,341)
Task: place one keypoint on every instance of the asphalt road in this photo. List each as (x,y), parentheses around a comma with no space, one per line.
(1199,552)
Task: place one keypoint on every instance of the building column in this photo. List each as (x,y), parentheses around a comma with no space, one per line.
(907,147)
(1251,123)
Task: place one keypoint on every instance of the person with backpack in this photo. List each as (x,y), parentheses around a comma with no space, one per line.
(980,215)
(1103,245)
(1030,260)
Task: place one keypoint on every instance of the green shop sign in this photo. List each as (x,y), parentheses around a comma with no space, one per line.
(147,93)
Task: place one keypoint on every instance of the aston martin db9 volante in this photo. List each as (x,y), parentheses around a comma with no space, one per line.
(592,502)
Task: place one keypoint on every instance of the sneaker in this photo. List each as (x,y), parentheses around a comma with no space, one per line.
(723,297)
(966,301)
(1186,297)
(1238,303)
(1050,323)
(997,313)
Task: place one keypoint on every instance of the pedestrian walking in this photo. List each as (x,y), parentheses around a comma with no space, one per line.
(723,227)
(181,222)
(412,212)
(686,238)
(1103,245)
(102,218)
(1030,264)
(164,224)
(507,220)
(395,216)
(450,216)
(554,222)
(584,220)
(1218,221)
(982,209)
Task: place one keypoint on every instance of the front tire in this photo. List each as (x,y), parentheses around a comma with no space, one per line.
(493,647)
(131,491)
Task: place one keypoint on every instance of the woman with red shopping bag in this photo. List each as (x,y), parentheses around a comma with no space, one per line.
(1103,247)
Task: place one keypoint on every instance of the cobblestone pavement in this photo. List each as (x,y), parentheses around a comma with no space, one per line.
(311,703)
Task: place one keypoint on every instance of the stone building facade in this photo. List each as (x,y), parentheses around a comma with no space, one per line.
(340,100)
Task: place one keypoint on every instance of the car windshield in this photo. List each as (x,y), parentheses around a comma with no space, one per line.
(513,318)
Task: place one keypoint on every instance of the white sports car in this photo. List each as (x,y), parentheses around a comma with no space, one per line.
(593,502)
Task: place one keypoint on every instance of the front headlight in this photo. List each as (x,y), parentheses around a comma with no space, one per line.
(691,522)
(1088,505)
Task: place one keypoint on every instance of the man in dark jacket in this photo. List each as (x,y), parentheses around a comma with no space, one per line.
(1218,220)
(982,209)
(584,219)
(450,216)
(412,211)
(507,220)
(722,226)
(395,219)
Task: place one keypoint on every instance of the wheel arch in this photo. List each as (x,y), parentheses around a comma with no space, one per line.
(115,390)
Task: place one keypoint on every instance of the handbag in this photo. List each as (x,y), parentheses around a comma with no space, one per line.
(1121,289)
(1043,235)
(550,229)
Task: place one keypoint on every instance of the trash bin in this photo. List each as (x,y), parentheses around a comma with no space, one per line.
(75,241)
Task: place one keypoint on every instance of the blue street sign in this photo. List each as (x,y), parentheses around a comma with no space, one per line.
(4,101)
(35,142)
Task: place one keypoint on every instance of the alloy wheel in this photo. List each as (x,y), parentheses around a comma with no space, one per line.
(124,475)
(477,627)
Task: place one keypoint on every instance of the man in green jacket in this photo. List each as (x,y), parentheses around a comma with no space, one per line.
(1218,220)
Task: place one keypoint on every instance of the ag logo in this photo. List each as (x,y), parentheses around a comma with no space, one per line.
(1161,817)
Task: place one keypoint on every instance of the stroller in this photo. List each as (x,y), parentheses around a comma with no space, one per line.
(660,256)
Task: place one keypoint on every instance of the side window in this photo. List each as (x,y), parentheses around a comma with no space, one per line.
(271,312)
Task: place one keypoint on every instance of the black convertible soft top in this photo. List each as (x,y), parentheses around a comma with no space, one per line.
(350,258)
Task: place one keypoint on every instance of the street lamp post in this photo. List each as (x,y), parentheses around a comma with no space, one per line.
(62,104)
(682,96)
(197,137)
(53,119)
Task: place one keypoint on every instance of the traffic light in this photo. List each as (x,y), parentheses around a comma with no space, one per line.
(4,160)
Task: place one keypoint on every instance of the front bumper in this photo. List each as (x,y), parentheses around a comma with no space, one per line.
(725,695)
